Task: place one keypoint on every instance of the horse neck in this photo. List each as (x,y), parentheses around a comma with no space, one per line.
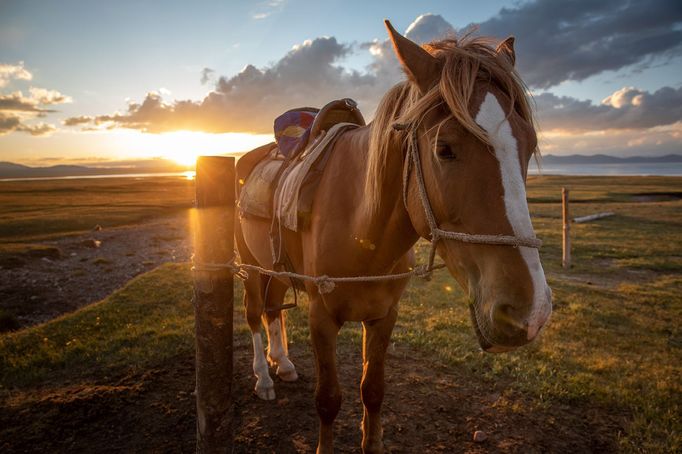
(389,227)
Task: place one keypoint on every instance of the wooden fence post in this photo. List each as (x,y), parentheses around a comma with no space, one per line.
(213,302)
(566,243)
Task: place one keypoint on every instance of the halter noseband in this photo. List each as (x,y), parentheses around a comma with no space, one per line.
(413,159)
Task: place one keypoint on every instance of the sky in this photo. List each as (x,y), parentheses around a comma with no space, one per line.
(105,83)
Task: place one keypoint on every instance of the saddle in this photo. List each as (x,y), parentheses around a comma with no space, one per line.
(276,185)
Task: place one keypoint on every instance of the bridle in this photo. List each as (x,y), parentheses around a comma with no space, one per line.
(436,233)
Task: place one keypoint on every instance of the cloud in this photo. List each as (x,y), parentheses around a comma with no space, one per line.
(573,40)
(16,109)
(658,141)
(627,108)
(428,27)
(9,71)
(17,102)
(249,101)
(10,123)
(267,8)
(308,75)
(80,120)
(311,74)
(39,129)
(45,96)
(207,75)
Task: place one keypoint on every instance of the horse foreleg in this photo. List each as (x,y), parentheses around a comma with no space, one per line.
(375,336)
(253,304)
(323,333)
(277,346)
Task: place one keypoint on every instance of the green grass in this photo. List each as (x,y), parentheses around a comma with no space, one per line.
(614,341)
(37,210)
(134,329)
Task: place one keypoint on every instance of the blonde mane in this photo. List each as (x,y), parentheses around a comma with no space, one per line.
(464,61)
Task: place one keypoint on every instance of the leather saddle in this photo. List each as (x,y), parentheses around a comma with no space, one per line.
(269,184)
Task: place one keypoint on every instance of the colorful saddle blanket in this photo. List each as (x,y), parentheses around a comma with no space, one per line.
(292,130)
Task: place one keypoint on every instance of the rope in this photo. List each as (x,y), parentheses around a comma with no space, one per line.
(326,284)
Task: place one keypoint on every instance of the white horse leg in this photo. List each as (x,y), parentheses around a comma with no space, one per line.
(253,304)
(265,388)
(277,348)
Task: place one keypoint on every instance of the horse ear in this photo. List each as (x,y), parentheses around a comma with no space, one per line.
(506,50)
(421,67)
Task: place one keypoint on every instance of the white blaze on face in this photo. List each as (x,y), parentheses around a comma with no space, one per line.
(493,120)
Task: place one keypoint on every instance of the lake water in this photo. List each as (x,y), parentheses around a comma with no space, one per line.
(189,175)
(656,168)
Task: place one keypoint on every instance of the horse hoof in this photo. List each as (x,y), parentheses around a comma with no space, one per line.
(265,393)
(287,375)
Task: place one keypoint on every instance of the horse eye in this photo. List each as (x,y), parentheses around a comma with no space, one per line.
(443,151)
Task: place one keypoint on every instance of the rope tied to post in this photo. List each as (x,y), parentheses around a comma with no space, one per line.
(325,284)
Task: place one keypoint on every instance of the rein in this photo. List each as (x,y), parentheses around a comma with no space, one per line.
(414,160)
(326,284)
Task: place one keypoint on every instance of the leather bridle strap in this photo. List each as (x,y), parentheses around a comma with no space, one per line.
(413,160)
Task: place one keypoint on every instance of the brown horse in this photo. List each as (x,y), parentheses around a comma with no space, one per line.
(469,123)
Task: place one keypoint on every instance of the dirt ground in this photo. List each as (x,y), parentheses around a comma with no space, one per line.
(79,270)
(427,408)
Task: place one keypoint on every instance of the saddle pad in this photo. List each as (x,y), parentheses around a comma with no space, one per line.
(292,130)
(256,195)
(292,206)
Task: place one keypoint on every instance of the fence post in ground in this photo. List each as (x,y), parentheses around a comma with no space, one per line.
(566,243)
(213,302)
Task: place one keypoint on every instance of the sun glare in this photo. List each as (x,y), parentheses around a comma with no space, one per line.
(184,147)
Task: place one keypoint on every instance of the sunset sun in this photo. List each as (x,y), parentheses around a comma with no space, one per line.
(183,147)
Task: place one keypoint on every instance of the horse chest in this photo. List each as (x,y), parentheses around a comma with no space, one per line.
(363,302)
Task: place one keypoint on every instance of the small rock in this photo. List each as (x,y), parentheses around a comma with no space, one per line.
(97,228)
(73,254)
(480,436)
(91,243)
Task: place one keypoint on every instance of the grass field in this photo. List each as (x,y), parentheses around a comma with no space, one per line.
(32,211)
(614,342)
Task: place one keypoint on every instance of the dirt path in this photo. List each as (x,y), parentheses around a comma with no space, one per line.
(428,408)
(89,267)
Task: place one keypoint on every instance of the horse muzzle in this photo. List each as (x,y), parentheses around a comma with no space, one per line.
(504,331)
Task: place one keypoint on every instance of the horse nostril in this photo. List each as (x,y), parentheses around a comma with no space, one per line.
(507,322)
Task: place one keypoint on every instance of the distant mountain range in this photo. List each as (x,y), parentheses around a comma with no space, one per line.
(12,170)
(605,159)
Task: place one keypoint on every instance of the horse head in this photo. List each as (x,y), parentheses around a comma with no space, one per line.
(474,138)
